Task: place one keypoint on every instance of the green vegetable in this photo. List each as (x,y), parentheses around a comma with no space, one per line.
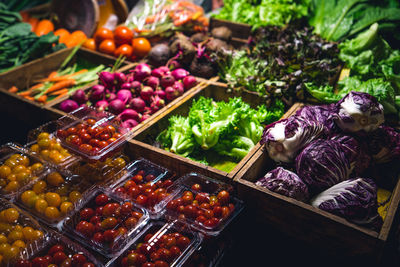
(267,12)
(340,19)
(229,129)
(18,5)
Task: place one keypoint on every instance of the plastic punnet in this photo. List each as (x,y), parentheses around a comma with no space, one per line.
(104,222)
(100,125)
(146,184)
(18,168)
(207,205)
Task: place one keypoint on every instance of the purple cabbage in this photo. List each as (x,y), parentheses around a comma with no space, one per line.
(322,164)
(324,114)
(285,138)
(353,199)
(359,112)
(384,144)
(286,183)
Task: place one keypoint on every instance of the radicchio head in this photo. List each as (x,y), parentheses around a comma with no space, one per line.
(384,144)
(323,114)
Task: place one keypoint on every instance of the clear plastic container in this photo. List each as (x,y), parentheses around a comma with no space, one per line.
(59,250)
(146,184)
(104,222)
(52,196)
(102,171)
(168,243)
(104,133)
(17,168)
(207,205)
(17,231)
(43,143)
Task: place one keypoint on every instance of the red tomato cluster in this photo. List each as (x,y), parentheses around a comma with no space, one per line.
(89,137)
(56,256)
(208,210)
(107,220)
(162,251)
(143,191)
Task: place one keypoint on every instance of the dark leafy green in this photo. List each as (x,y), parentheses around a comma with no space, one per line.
(18,5)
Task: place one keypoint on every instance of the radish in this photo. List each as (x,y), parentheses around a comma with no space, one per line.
(173,64)
(179,73)
(153,82)
(111,96)
(129,124)
(119,78)
(171,93)
(137,104)
(141,71)
(167,80)
(145,117)
(147,110)
(107,78)
(157,103)
(160,94)
(79,96)
(68,105)
(101,105)
(96,92)
(126,85)
(116,106)
(130,114)
(178,86)
(160,71)
(124,95)
(189,82)
(135,85)
(146,93)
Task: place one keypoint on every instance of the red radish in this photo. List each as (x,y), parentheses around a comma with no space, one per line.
(160,94)
(157,103)
(160,71)
(178,86)
(111,96)
(135,85)
(129,124)
(96,92)
(153,82)
(147,110)
(137,104)
(174,65)
(119,78)
(141,71)
(124,95)
(167,80)
(189,82)
(116,106)
(79,96)
(130,114)
(101,105)
(146,93)
(145,117)
(179,73)
(107,78)
(171,93)
(126,85)
(68,105)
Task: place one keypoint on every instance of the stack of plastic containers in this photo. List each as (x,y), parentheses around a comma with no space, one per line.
(73,177)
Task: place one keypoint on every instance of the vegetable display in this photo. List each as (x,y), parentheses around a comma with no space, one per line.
(335,152)
(228,129)
(264,12)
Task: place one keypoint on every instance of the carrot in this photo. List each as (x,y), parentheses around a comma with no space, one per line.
(60,85)
(60,96)
(52,74)
(42,99)
(26,93)
(13,89)
(36,86)
(29,98)
(63,77)
(59,92)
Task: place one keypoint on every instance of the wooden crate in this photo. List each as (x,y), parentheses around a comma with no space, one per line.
(240,31)
(306,223)
(142,141)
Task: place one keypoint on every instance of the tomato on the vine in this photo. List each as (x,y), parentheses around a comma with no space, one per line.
(123,35)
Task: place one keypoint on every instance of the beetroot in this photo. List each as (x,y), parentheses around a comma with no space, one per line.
(68,105)
(124,95)
(101,105)
(189,82)
(129,124)
(137,104)
(79,96)
(107,78)
(153,82)
(116,106)
(130,114)
(146,93)
(160,94)
(178,86)
(141,71)
(167,80)
(179,73)
(96,92)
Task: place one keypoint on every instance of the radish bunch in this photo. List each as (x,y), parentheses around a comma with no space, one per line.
(133,97)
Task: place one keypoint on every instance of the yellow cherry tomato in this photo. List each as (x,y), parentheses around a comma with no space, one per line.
(37,167)
(53,199)
(3,239)
(29,233)
(52,213)
(23,177)
(11,215)
(39,187)
(11,186)
(41,205)
(26,196)
(55,179)
(37,234)
(65,207)
(10,253)
(74,196)
(19,244)
(43,135)
(4,171)
(14,236)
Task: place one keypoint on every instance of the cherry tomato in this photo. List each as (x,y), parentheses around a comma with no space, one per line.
(86,214)
(85,228)
(141,46)
(126,208)
(90,43)
(137,178)
(102,199)
(175,251)
(124,50)
(103,34)
(55,248)
(78,259)
(142,200)
(86,148)
(223,197)
(110,235)
(196,187)
(183,242)
(131,222)
(109,223)
(107,47)
(102,144)
(59,257)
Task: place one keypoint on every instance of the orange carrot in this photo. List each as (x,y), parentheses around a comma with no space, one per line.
(53,74)
(60,85)
(36,86)
(13,89)
(59,92)
(63,77)
(42,99)
(26,93)
(29,98)
(60,96)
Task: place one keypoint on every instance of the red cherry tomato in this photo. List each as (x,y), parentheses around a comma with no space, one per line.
(78,259)
(59,257)
(55,248)
(102,199)
(86,214)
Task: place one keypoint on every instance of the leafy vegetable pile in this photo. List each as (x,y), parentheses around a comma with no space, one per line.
(334,157)
(229,129)
(281,62)
(18,44)
(264,12)
(374,69)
